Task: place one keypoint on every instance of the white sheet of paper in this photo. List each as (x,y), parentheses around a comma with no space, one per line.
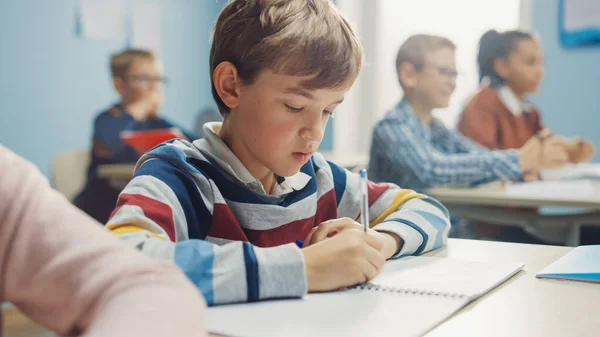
(103,19)
(359,313)
(145,25)
(571,171)
(580,14)
(545,189)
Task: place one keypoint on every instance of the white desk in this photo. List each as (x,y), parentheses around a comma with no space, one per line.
(493,194)
(489,203)
(522,306)
(525,305)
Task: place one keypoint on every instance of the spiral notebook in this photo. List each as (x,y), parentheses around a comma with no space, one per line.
(409,298)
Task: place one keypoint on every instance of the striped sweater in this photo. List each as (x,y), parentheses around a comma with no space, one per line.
(195,203)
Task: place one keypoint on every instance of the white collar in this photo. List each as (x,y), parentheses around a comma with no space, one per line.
(514,104)
(213,145)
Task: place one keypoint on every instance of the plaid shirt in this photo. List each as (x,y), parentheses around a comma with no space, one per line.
(408,153)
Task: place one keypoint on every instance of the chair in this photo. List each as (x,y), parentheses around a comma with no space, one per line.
(69,172)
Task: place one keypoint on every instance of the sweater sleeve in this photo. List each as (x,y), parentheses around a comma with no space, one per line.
(58,266)
(163,204)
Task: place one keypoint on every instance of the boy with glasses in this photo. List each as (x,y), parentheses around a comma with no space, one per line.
(413,149)
(137,78)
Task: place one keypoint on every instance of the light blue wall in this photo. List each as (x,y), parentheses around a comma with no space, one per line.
(569,97)
(52,82)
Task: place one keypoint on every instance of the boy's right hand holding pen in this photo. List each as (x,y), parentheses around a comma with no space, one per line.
(349,257)
(341,252)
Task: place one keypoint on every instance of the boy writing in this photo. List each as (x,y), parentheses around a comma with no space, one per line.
(229,207)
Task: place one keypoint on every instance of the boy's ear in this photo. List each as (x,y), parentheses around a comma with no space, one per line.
(407,74)
(119,85)
(501,67)
(227,83)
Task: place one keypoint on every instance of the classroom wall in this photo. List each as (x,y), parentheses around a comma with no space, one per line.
(53,83)
(569,96)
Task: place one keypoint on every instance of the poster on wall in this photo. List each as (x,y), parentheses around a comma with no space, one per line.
(136,23)
(103,20)
(579,22)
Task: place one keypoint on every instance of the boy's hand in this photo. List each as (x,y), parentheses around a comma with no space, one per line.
(531,176)
(391,242)
(554,153)
(145,107)
(349,258)
(580,151)
(140,109)
(156,101)
(543,152)
(529,154)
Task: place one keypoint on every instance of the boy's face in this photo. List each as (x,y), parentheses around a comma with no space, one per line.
(524,67)
(435,82)
(143,78)
(278,124)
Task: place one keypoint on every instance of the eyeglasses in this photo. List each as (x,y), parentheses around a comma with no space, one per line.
(145,81)
(446,72)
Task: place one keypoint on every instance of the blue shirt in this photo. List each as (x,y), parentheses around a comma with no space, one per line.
(98,197)
(411,154)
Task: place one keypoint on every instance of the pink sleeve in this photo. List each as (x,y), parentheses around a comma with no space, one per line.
(68,273)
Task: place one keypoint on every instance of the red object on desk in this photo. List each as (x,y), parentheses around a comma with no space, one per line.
(142,141)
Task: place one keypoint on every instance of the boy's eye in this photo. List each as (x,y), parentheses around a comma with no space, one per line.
(330,113)
(293,109)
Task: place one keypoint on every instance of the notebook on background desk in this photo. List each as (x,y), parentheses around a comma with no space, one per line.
(572,171)
(410,297)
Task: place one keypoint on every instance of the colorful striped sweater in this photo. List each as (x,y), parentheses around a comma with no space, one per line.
(195,203)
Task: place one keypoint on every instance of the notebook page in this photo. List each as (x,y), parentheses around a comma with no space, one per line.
(351,313)
(442,275)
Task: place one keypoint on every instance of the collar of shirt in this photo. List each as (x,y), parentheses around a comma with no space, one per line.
(514,104)
(220,152)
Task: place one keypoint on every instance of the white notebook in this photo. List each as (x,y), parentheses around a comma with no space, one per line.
(409,298)
(545,189)
(572,171)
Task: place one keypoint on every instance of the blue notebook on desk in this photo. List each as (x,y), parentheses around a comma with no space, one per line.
(580,264)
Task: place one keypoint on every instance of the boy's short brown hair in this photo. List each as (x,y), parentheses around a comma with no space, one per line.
(120,62)
(414,49)
(295,37)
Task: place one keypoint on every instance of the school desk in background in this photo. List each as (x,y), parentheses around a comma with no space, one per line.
(142,141)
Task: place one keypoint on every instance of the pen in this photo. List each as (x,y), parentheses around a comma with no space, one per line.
(364,196)
(299,243)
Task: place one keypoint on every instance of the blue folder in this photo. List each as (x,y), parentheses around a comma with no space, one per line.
(580,264)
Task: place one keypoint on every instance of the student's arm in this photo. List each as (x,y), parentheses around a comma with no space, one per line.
(463,144)
(422,223)
(106,142)
(62,269)
(478,123)
(408,151)
(163,203)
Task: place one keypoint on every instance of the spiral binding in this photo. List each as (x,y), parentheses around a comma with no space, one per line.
(370,286)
